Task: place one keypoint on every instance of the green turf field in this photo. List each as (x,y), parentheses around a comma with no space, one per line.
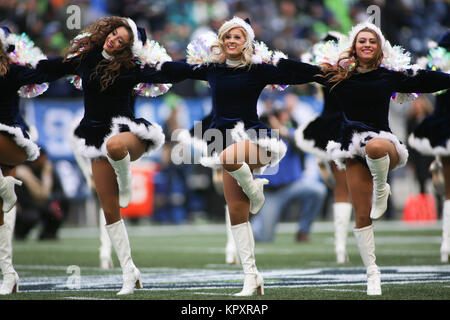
(188,263)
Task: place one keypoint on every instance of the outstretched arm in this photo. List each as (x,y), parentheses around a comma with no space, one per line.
(23,75)
(424,81)
(292,71)
(56,67)
(171,72)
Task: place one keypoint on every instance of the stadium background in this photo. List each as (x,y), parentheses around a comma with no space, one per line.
(287,25)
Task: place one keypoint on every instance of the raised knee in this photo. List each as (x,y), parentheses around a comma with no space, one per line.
(376,148)
(115,148)
(228,162)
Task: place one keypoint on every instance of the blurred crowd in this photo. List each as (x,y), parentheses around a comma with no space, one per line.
(291,26)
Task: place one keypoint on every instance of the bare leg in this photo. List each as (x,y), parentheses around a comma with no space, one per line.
(239,160)
(342,213)
(105,179)
(11,155)
(359,180)
(238,198)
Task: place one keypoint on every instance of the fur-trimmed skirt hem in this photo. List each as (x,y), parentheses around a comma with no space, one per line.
(211,159)
(313,136)
(356,147)
(89,138)
(22,138)
(432,136)
(425,147)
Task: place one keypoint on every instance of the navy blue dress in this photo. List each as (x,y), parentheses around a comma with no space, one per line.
(11,121)
(313,136)
(365,99)
(235,93)
(109,112)
(432,136)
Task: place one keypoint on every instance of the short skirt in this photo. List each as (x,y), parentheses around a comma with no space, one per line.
(90,137)
(19,131)
(313,136)
(353,139)
(214,140)
(432,136)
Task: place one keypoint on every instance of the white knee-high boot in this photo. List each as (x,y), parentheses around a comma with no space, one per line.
(10,221)
(253,188)
(445,245)
(231,254)
(245,244)
(342,213)
(379,168)
(366,244)
(7,192)
(124,179)
(119,239)
(10,282)
(106,261)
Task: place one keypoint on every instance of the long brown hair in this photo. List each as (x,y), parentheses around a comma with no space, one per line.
(109,69)
(4,61)
(345,67)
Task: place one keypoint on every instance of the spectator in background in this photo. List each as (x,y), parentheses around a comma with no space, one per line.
(40,200)
(289,184)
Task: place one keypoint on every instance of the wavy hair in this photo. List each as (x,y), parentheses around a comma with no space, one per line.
(342,70)
(108,69)
(4,61)
(218,47)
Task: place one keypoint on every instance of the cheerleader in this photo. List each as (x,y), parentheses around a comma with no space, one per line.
(194,139)
(106,58)
(432,135)
(17,79)
(313,137)
(362,79)
(242,144)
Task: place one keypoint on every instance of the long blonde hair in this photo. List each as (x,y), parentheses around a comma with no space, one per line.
(218,47)
(123,58)
(348,62)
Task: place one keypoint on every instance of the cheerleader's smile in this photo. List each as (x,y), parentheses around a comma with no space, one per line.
(116,40)
(234,41)
(366,46)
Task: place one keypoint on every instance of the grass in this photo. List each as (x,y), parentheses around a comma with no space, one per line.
(186,263)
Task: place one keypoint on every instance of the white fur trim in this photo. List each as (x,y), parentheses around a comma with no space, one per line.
(241,23)
(137,44)
(275,146)
(356,29)
(83,162)
(185,138)
(153,133)
(30,147)
(309,145)
(277,56)
(355,149)
(211,162)
(423,146)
